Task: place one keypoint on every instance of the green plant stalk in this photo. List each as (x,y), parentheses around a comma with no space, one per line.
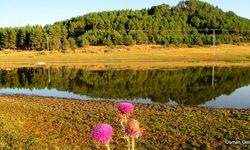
(124,122)
(133,143)
(128,141)
(107,146)
(123,127)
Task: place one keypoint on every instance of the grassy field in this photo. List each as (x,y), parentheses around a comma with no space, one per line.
(31,122)
(133,57)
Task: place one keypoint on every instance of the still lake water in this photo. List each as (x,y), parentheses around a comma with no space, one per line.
(205,87)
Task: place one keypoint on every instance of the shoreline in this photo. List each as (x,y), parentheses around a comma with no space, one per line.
(64,99)
(133,66)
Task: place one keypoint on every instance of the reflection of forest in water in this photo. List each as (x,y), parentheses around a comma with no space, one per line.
(184,86)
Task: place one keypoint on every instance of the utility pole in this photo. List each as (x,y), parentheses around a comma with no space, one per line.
(214,41)
(48,43)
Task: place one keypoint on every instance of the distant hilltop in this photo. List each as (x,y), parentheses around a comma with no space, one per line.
(188,23)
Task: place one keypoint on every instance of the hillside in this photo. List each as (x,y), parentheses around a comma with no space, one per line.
(188,23)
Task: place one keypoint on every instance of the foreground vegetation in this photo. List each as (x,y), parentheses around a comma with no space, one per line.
(188,23)
(31,122)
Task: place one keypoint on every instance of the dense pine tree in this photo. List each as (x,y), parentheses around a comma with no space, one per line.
(190,23)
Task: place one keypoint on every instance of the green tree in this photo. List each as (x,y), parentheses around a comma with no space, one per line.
(128,40)
(82,41)
(117,38)
(107,41)
(72,43)
(36,37)
(2,35)
(189,22)
(10,39)
(65,45)
(20,39)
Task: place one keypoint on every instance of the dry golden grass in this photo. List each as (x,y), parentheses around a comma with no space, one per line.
(134,57)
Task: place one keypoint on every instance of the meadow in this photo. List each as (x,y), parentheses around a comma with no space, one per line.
(132,57)
(32,122)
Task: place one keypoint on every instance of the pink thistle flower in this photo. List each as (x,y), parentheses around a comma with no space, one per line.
(125,108)
(133,129)
(102,133)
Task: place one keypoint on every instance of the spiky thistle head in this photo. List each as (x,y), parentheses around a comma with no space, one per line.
(102,133)
(133,128)
(125,108)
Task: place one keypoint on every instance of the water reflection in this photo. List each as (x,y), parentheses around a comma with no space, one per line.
(191,86)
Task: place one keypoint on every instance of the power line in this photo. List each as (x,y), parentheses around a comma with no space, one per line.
(179,30)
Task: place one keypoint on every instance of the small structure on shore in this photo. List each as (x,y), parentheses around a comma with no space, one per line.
(8,69)
(40,63)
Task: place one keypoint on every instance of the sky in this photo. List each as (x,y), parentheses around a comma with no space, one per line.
(15,13)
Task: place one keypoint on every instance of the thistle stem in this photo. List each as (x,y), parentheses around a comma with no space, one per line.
(124,122)
(133,143)
(125,119)
(107,146)
(128,140)
(123,127)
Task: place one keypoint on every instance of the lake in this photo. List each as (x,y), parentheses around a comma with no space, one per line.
(204,87)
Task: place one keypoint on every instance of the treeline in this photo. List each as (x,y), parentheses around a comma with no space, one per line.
(191,86)
(188,23)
